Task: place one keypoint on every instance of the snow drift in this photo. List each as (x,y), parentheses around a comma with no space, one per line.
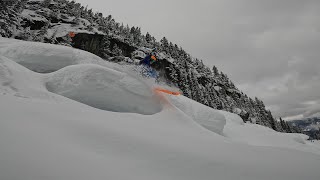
(44,135)
(44,58)
(104,88)
(204,115)
(19,81)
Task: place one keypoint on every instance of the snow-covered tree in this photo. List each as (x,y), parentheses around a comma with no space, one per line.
(116,51)
(105,46)
(164,44)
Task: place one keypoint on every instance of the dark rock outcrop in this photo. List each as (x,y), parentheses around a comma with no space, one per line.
(34,25)
(88,42)
(127,50)
(93,43)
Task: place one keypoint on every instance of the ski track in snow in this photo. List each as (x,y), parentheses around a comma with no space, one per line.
(127,131)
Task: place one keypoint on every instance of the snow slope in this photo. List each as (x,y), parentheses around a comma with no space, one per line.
(45,134)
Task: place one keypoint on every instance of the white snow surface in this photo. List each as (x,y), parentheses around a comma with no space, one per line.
(104,88)
(32,16)
(44,58)
(45,134)
(209,118)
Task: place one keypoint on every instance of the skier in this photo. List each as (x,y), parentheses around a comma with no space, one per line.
(148,71)
(146,63)
(149,59)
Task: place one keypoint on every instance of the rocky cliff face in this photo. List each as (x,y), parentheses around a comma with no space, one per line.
(94,42)
(88,42)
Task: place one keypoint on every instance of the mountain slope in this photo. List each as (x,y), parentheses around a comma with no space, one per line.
(309,126)
(52,21)
(44,135)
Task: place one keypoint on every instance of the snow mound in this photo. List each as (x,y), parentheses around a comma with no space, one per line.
(19,81)
(257,135)
(232,127)
(231,117)
(44,58)
(104,88)
(207,117)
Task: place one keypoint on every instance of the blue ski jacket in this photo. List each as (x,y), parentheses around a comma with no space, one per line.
(146,60)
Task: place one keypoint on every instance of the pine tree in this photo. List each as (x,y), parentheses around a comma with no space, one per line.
(215,71)
(283,125)
(164,45)
(26,35)
(279,126)
(148,38)
(173,74)
(105,46)
(272,120)
(116,51)
(216,101)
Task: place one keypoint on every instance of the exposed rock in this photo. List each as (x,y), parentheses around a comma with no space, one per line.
(126,48)
(93,42)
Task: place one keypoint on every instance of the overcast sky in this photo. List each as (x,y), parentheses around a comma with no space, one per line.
(269,48)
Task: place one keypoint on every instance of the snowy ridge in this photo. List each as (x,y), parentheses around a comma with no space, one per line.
(44,135)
